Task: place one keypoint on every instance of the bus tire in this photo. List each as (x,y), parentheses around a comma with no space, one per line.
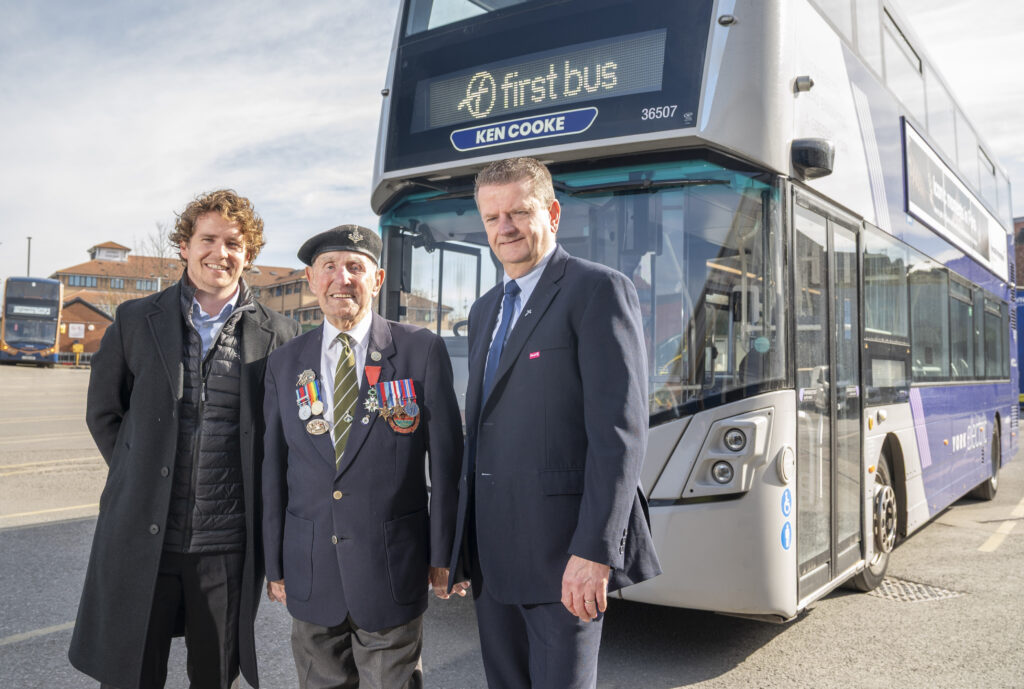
(884,520)
(986,490)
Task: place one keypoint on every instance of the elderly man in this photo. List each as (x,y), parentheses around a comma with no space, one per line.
(352,409)
(551,516)
(174,407)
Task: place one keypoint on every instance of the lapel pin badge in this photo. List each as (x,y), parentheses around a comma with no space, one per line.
(534,355)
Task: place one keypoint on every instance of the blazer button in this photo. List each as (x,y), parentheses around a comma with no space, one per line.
(154,529)
(337,495)
(334,540)
(165,472)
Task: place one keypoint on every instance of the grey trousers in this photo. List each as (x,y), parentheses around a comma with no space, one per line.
(347,657)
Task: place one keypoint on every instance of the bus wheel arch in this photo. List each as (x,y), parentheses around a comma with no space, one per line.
(888,516)
(892,451)
(986,490)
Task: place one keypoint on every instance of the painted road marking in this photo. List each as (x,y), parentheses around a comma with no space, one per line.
(4,467)
(40,438)
(39,419)
(55,509)
(996,539)
(52,465)
(25,636)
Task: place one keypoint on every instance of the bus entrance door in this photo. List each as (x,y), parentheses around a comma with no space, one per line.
(433,284)
(828,523)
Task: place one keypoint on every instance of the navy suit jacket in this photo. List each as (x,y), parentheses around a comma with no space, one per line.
(366,551)
(553,456)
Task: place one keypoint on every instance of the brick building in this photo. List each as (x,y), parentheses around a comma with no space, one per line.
(112,276)
(83,323)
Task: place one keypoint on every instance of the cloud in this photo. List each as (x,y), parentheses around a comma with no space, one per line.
(115,114)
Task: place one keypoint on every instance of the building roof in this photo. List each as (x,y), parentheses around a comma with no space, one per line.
(417,301)
(139,267)
(110,245)
(167,269)
(262,276)
(79,300)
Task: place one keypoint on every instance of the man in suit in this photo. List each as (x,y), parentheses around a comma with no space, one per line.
(551,516)
(352,409)
(174,406)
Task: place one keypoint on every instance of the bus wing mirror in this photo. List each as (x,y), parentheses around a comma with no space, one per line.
(813,158)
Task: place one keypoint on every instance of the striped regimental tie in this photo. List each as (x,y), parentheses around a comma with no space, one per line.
(346,393)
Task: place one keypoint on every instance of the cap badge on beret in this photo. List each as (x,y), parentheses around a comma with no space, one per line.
(342,238)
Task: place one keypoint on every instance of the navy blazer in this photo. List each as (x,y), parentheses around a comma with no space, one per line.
(358,539)
(553,456)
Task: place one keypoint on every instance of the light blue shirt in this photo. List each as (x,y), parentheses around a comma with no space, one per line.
(209,326)
(527,283)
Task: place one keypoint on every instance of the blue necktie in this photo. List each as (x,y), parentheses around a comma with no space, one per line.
(508,306)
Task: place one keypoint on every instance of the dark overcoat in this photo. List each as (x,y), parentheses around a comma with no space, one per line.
(135,389)
(553,455)
(356,538)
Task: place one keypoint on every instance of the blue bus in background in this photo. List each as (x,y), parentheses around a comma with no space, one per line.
(31,321)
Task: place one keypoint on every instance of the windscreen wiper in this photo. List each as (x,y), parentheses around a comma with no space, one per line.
(642,185)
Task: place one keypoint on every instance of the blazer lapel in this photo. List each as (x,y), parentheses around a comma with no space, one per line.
(380,342)
(479,343)
(256,340)
(255,348)
(166,326)
(533,311)
(309,360)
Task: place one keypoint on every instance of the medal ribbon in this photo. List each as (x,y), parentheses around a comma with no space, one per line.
(372,375)
(408,390)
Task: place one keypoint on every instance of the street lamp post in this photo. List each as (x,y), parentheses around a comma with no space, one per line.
(28,267)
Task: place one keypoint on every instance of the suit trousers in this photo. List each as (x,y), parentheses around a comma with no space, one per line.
(207,588)
(346,657)
(540,646)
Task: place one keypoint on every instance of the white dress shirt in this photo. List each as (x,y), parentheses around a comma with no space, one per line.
(330,352)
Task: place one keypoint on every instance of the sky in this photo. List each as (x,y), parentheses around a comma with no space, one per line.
(115,113)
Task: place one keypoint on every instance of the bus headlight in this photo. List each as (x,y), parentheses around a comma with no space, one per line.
(735,440)
(722,472)
(734,448)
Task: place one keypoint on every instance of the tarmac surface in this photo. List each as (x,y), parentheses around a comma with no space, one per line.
(953,616)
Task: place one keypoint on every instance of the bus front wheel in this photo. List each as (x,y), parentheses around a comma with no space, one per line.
(986,490)
(884,525)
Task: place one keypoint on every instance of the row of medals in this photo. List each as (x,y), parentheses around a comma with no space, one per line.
(313,426)
(372,404)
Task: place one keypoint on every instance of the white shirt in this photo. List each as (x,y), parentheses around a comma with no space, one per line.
(330,352)
(527,283)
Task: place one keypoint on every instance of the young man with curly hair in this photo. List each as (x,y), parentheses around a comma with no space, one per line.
(174,406)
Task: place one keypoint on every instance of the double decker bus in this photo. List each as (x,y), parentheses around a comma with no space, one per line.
(31,321)
(818,236)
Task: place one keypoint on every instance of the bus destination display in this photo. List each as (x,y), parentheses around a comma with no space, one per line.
(585,72)
(582,71)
